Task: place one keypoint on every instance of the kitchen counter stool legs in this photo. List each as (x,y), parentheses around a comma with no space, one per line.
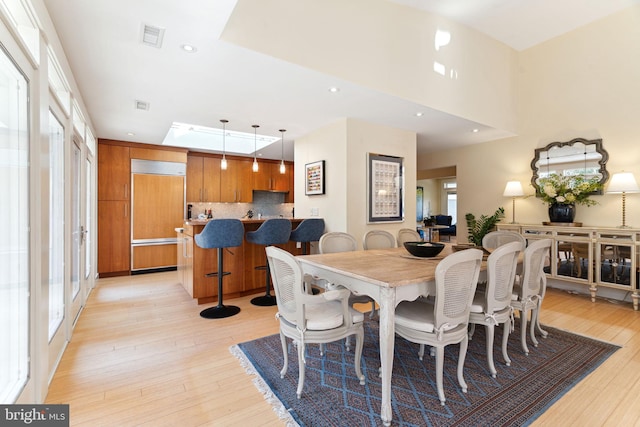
(275,231)
(220,234)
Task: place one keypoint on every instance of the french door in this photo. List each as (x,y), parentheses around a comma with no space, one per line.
(81,224)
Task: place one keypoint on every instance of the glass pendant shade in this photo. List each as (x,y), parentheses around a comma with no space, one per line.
(223,162)
(255,160)
(283,168)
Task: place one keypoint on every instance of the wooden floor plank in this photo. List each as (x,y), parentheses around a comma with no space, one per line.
(142,355)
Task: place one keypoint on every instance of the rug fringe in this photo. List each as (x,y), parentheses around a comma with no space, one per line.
(263,388)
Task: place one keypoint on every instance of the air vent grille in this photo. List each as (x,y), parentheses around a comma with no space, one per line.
(141,105)
(152,36)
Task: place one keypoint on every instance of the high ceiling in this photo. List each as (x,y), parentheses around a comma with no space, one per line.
(113,70)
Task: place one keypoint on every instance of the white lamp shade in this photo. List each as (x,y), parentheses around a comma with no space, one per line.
(623,182)
(513,189)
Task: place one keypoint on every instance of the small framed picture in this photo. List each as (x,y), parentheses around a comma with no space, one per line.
(314,178)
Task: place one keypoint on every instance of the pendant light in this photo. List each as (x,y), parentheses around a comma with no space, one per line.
(255,161)
(283,168)
(223,163)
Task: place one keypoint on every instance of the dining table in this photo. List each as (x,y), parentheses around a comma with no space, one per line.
(389,276)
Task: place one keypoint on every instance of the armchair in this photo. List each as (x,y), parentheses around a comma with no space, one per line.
(446,220)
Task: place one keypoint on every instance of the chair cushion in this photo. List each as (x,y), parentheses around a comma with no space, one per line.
(322,317)
(479,304)
(416,315)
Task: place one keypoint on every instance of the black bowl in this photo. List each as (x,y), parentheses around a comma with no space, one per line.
(424,249)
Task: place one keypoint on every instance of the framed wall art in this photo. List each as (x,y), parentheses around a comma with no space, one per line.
(385,195)
(314,178)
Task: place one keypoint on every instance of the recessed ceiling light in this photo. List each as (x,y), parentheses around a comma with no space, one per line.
(189,48)
(334,89)
(475,130)
(130,133)
(419,114)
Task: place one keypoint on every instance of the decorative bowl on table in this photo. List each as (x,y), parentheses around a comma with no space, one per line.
(424,249)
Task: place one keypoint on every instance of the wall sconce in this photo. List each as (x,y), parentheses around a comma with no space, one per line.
(283,168)
(255,161)
(623,182)
(513,190)
(223,162)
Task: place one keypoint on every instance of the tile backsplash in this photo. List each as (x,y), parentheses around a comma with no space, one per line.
(268,204)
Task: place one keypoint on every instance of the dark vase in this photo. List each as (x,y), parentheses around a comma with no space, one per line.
(562,213)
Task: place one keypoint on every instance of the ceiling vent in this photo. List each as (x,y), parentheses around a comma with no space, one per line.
(152,36)
(142,105)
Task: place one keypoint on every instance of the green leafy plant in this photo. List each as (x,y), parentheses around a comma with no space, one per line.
(568,189)
(478,228)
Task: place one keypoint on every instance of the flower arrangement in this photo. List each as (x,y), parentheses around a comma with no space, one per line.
(568,189)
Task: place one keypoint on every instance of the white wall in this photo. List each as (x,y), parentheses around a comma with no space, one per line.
(582,84)
(343,146)
(388,47)
(328,144)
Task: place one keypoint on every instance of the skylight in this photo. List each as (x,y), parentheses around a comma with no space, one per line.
(205,138)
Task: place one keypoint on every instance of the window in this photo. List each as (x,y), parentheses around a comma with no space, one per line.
(14,230)
(56,224)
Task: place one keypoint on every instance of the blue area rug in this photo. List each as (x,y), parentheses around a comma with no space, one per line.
(332,395)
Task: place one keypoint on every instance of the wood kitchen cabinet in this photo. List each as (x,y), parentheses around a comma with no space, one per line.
(114,237)
(269,178)
(203,179)
(114,210)
(114,172)
(236,182)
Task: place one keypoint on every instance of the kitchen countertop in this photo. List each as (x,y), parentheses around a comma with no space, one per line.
(244,220)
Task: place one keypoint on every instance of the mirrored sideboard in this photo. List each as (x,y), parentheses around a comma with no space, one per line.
(592,256)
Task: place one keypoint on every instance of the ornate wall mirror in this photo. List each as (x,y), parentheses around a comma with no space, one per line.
(576,157)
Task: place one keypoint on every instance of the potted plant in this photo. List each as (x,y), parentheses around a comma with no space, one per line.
(478,228)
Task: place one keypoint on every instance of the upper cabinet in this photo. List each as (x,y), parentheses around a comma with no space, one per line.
(236,182)
(114,172)
(207,182)
(203,179)
(269,178)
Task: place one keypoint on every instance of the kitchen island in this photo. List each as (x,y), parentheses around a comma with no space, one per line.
(195,262)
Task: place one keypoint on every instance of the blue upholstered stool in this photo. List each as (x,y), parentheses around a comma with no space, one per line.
(219,234)
(309,230)
(275,231)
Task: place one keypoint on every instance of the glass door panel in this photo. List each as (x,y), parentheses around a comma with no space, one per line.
(56,225)
(14,230)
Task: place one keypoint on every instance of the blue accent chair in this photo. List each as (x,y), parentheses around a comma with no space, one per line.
(274,231)
(309,230)
(446,220)
(220,234)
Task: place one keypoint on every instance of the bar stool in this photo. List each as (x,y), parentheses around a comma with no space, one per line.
(275,231)
(309,230)
(219,234)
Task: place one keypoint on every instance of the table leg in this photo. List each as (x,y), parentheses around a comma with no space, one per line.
(387,341)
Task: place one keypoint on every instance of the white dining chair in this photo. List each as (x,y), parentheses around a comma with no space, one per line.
(443,321)
(492,306)
(378,239)
(407,235)
(494,239)
(311,319)
(337,241)
(528,294)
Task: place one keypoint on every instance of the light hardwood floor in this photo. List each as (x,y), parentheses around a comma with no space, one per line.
(141,355)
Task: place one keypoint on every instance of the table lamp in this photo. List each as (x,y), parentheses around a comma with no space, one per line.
(513,190)
(623,182)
